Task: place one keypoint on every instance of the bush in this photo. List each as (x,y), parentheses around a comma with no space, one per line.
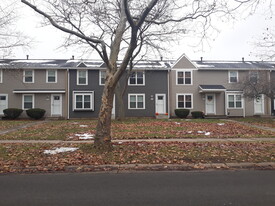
(12,113)
(182,113)
(197,114)
(36,113)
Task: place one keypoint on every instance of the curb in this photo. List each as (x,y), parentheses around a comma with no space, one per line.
(142,167)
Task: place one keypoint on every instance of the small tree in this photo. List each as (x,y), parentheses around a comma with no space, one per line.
(120,29)
(256,83)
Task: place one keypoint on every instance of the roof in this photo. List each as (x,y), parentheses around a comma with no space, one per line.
(74,63)
(238,65)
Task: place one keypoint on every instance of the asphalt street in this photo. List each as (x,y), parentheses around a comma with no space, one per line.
(222,188)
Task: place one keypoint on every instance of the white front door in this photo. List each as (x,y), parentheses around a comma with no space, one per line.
(161,103)
(210,102)
(56,105)
(3,102)
(259,104)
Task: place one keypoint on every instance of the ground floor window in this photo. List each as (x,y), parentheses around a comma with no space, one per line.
(28,101)
(136,101)
(235,101)
(83,100)
(184,101)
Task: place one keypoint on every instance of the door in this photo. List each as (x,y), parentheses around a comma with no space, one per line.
(56,105)
(3,102)
(210,103)
(161,103)
(259,104)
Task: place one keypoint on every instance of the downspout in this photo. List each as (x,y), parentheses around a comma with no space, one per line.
(168,92)
(68,93)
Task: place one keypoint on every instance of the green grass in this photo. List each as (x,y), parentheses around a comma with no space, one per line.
(268,122)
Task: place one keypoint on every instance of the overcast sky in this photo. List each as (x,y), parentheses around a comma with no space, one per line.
(234,41)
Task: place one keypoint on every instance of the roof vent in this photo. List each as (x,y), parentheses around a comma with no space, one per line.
(27,56)
(243,59)
(201,59)
(72,57)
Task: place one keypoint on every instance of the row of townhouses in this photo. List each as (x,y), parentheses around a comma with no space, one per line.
(72,88)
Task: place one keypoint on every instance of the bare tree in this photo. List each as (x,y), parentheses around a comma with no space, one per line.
(9,37)
(257,83)
(118,29)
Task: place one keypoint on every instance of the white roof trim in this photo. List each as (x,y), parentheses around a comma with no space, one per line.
(38,92)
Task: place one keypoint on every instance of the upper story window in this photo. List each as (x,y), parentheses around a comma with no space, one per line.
(184,101)
(184,77)
(235,101)
(102,77)
(28,76)
(1,76)
(253,76)
(51,76)
(233,76)
(82,77)
(137,78)
(28,101)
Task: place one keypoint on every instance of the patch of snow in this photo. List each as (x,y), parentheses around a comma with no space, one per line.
(177,122)
(200,132)
(83,125)
(220,124)
(189,132)
(85,136)
(60,150)
(207,133)
(31,61)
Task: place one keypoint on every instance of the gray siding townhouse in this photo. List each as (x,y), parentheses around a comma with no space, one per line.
(272,77)
(29,84)
(213,87)
(146,90)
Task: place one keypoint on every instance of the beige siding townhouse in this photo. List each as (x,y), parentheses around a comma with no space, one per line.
(214,87)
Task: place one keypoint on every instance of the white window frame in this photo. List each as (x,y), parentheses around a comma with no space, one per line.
(86,76)
(1,76)
(229,76)
(184,70)
(136,84)
(7,100)
(234,94)
(23,98)
(24,75)
(256,73)
(100,77)
(82,93)
(184,94)
(136,95)
(55,75)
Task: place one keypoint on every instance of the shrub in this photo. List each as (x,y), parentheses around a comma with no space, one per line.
(12,113)
(36,113)
(197,114)
(182,113)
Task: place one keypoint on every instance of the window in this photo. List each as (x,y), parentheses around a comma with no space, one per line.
(1,76)
(235,101)
(184,101)
(82,77)
(233,76)
(184,77)
(51,76)
(28,100)
(136,78)
(102,77)
(253,76)
(83,100)
(28,76)
(136,101)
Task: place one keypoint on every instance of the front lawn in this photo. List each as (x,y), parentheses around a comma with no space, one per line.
(16,157)
(266,122)
(139,129)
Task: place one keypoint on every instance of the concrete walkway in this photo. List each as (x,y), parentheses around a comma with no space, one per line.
(253,125)
(139,140)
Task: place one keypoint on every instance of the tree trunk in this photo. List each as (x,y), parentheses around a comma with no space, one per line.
(121,107)
(103,131)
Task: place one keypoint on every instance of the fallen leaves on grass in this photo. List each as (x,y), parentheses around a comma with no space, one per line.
(17,157)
